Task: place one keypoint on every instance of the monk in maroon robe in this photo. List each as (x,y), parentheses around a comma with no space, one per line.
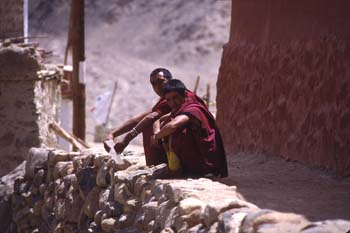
(154,152)
(143,123)
(196,139)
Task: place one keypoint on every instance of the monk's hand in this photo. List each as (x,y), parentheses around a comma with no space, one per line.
(120,145)
(105,145)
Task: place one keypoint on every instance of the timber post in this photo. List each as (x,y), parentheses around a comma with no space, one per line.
(78,81)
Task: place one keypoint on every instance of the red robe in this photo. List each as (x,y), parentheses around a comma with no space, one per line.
(199,146)
(155,154)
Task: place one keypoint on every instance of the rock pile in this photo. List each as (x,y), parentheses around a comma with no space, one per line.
(66,192)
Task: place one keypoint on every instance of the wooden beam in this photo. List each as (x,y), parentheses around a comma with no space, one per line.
(78,52)
(196,85)
(76,142)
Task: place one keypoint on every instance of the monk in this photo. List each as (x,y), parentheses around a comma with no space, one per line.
(143,123)
(195,138)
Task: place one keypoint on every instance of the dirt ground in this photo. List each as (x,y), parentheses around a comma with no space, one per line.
(273,183)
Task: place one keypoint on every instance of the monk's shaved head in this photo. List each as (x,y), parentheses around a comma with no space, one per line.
(162,72)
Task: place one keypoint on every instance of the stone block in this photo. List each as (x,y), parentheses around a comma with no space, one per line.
(109,225)
(211,212)
(328,226)
(62,169)
(149,210)
(141,183)
(103,178)
(131,205)
(90,206)
(86,178)
(271,221)
(36,159)
(82,161)
(56,155)
(230,221)
(122,193)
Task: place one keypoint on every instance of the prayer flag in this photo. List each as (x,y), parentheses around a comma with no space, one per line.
(101,108)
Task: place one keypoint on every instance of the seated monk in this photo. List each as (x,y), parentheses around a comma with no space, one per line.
(193,134)
(143,123)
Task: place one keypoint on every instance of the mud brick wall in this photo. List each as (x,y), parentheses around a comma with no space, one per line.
(11,18)
(284,81)
(89,192)
(28,103)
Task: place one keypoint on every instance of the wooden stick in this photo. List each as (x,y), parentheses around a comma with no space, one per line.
(112,99)
(196,85)
(207,99)
(76,142)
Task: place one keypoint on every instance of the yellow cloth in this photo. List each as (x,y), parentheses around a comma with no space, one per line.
(173,161)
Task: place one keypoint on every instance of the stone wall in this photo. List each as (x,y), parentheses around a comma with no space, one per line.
(11,18)
(284,81)
(29,98)
(65,192)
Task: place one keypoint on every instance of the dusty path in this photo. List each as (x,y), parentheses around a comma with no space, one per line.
(273,183)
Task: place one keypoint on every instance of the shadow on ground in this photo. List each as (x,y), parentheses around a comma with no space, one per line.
(274,183)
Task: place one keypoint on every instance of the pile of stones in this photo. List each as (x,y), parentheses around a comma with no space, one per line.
(88,191)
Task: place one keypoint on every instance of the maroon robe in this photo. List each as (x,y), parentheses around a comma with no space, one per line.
(199,146)
(155,154)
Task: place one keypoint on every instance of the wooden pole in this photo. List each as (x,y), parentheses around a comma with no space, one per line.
(196,85)
(112,100)
(76,142)
(78,82)
(208,96)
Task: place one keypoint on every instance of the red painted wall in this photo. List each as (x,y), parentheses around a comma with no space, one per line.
(284,81)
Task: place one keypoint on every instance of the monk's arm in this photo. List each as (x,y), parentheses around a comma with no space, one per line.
(160,122)
(172,126)
(128,125)
(146,121)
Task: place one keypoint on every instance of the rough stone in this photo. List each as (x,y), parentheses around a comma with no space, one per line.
(108,225)
(230,221)
(82,161)
(90,206)
(328,226)
(108,205)
(122,193)
(103,178)
(98,217)
(55,156)
(211,212)
(258,219)
(63,169)
(149,211)
(125,220)
(37,158)
(86,180)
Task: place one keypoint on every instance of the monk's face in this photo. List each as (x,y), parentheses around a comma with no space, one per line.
(174,100)
(158,81)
